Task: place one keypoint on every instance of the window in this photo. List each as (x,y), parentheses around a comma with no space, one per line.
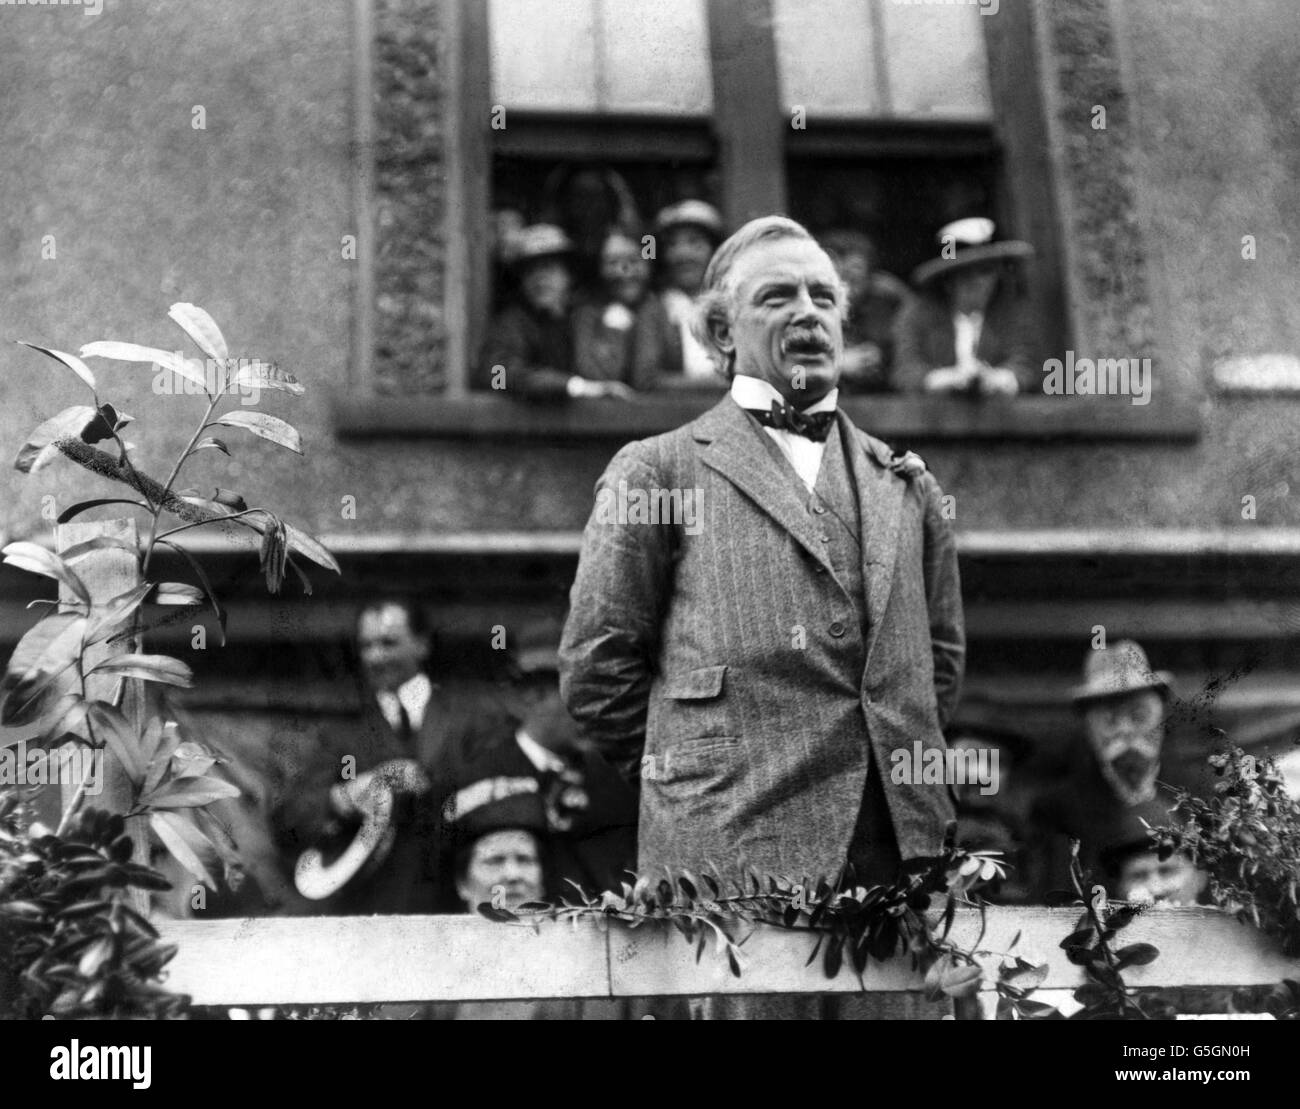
(931,112)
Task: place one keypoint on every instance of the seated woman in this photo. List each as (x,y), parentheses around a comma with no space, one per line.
(967,330)
(623,333)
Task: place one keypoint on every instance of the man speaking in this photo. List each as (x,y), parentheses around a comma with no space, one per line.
(757,670)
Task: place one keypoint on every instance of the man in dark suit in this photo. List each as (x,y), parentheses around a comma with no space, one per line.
(381,774)
(756,657)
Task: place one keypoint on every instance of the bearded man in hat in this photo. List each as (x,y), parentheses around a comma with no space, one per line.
(757,670)
(1123,705)
(967,330)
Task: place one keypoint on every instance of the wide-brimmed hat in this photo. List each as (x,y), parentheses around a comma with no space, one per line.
(691,213)
(1118,669)
(540,240)
(965,243)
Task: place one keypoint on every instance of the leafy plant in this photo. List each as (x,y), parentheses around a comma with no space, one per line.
(1247,837)
(71,943)
(46,683)
(1105,996)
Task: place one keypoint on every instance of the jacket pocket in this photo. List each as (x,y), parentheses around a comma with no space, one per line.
(700,766)
(695,685)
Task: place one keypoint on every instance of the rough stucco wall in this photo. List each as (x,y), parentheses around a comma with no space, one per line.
(246,217)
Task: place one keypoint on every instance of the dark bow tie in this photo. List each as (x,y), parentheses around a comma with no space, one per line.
(785,417)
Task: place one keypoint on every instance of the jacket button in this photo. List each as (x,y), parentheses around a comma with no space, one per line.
(820,509)
(837,630)
(826,538)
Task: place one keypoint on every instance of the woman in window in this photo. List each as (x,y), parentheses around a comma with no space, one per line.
(967,331)
(623,332)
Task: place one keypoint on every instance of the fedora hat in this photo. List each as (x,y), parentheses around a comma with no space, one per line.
(1118,669)
(965,243)
(691,213)
(540,240)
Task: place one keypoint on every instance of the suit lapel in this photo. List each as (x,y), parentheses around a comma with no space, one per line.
(740,456)
(880,500)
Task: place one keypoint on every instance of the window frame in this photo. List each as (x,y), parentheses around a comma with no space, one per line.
(752,147)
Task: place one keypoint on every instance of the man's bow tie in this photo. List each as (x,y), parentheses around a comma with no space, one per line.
(785,417)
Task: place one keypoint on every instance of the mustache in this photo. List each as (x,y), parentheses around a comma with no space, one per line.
(1132,766)
(803,339)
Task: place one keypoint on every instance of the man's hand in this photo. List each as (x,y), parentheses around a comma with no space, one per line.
(355,797)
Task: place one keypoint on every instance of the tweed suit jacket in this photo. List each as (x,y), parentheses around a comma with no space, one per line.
(721,660)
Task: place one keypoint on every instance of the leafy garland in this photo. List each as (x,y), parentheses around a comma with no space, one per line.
(855,925)
(1247,837)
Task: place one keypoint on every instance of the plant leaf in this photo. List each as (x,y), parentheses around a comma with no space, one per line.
(185,842)
(111,727)
(43,656)
(310,548)
(963,981)
(202,575)
(85,506)
(177,593)
(1026,975)
(75,364)
(1136,955)
(104,618)
(125,352)
(161,758)
(266,375)
(190,760)
(98,543)
(267,427)
(186,793)
(106,422)
(175,361)
(210,443)
(303,579)
(33,557)
(151,668)
(39,449)
(200,327)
